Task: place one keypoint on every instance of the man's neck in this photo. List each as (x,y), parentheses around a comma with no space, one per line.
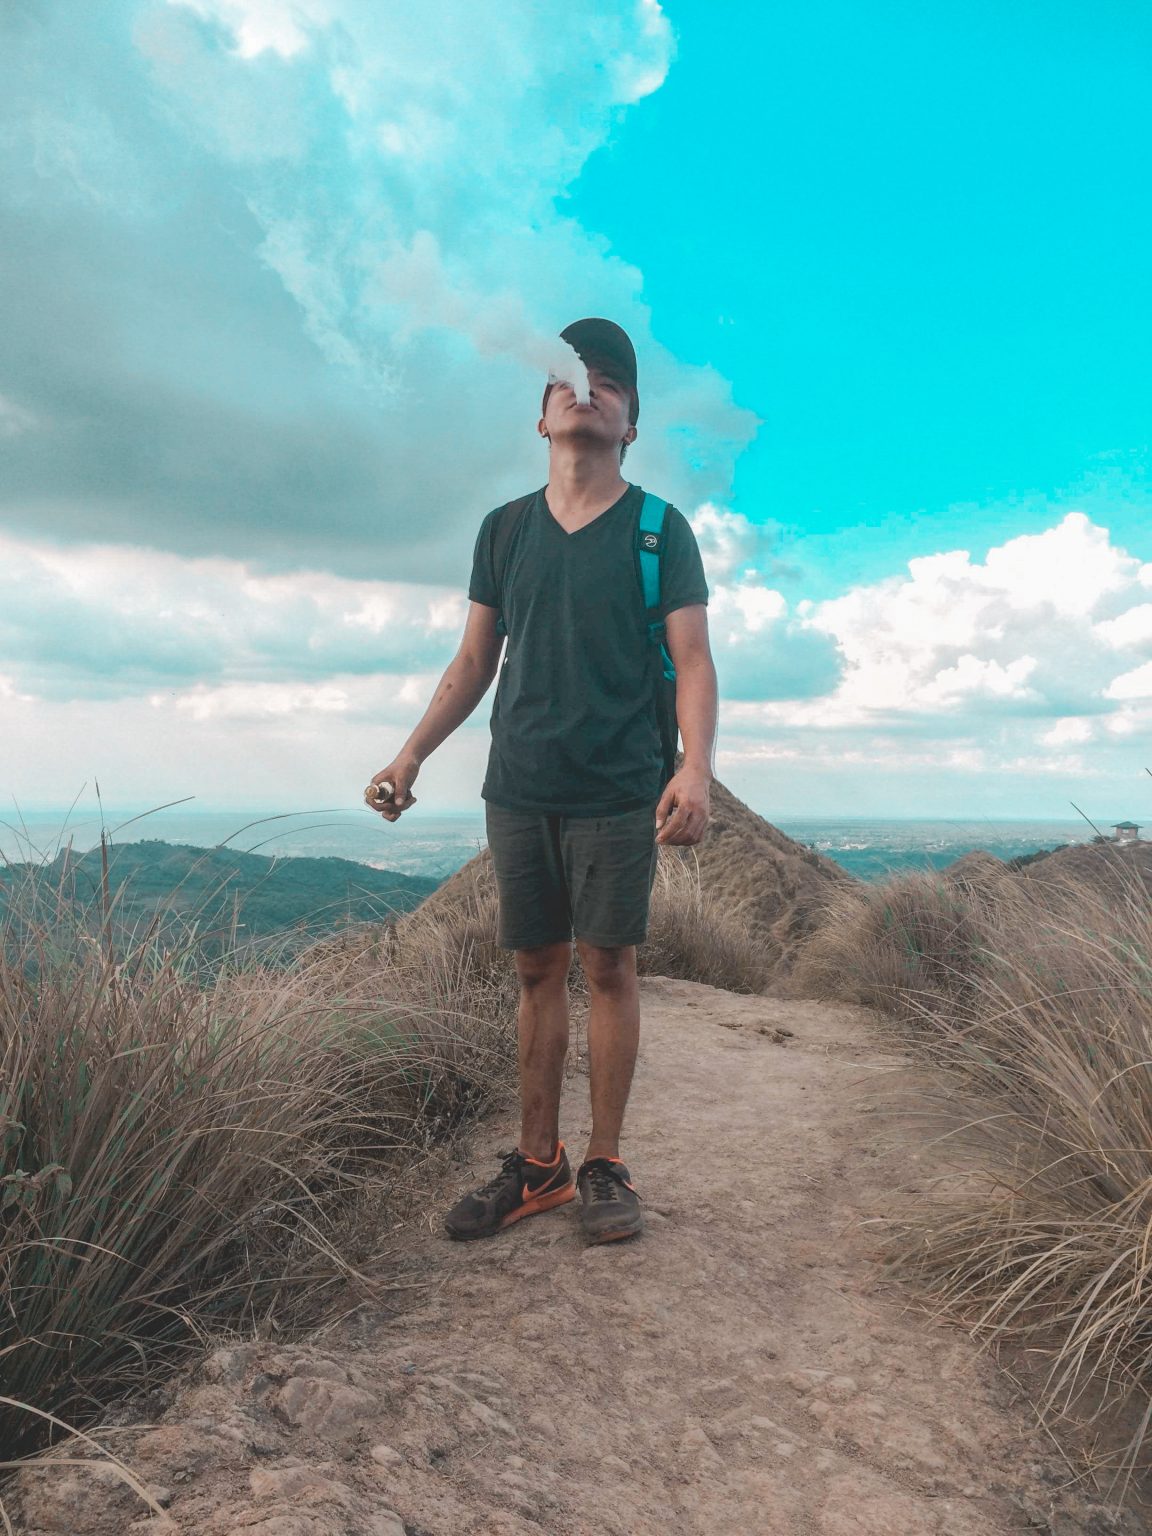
(583,482)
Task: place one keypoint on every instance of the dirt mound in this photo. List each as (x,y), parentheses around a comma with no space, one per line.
(1109,867)
(1114,868)
(773,884)
(976,867)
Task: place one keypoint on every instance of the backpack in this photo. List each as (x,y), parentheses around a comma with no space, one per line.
(648,549)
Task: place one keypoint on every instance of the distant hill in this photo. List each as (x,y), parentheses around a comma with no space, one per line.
(1111,867)
(213,886)
(1114,868)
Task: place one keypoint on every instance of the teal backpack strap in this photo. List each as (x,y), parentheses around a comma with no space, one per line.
(651,546)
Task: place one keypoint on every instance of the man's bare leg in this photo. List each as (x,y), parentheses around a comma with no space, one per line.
(613,1039)
(542,1033)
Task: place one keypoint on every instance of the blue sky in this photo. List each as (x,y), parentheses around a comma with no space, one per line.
(273,279)
(916,239)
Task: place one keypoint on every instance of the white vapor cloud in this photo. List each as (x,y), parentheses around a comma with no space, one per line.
(497,326)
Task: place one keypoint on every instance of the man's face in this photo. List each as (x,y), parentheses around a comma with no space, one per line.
(604,419)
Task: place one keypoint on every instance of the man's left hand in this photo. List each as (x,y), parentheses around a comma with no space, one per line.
(684,808)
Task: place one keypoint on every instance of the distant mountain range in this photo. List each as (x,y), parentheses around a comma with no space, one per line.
(179,885)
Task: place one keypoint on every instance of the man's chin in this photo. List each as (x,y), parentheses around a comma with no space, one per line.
(582,428)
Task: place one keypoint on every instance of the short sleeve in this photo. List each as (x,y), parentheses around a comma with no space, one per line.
(682,579)
(482,587)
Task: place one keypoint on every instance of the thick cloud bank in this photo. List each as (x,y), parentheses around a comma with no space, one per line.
(1030,666)
(279,279)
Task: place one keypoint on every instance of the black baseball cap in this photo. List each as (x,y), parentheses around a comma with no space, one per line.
(604,345)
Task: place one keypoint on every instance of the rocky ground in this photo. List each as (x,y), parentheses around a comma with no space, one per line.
(743,1366)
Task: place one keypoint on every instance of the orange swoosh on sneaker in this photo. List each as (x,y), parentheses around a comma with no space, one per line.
(540,1201)
(539,1189)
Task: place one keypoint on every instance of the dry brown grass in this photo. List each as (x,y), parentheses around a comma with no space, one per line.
(696,935)
(1035,999)
(768,884)
(190,1151)
(693,931)
(180,1157)
(901,945)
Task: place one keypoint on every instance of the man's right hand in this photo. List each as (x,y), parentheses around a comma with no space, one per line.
(401,774)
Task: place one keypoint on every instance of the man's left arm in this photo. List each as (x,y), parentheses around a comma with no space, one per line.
(685,806)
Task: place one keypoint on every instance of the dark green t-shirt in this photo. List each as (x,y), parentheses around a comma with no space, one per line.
(574,723)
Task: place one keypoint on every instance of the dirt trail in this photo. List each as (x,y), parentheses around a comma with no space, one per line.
(741,1367)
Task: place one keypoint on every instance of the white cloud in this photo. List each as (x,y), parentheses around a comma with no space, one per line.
(14,418)
(112,620)
(413,212)
(316,251)
(1129,720)
(279,26)
(1136,684)
(1026,626)
(256,701)
(143,752)
(758,606)
(161,674)
(1071,568)
(1130,629)
(731,545)
(985,673)
(9,690)
(761,651)
(972,677)
(640,75)
(1067,732)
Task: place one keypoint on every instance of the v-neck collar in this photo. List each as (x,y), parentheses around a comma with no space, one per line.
(571,533)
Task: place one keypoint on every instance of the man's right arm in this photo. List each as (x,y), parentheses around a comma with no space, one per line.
(466,680)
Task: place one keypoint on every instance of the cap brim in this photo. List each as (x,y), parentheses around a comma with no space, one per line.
(603,341)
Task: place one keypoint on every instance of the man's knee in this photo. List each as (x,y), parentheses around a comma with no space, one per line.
(607,965)
(543,963)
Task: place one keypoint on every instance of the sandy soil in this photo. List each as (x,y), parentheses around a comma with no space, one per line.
(743,1366)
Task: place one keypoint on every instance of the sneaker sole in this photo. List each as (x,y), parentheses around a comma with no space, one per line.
(614,1237)
(531,1207)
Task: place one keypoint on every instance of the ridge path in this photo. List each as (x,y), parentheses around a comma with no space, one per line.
(744,1366)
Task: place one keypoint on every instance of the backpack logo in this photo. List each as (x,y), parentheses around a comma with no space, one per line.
(650,540)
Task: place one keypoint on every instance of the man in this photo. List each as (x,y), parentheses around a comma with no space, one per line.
(575,774)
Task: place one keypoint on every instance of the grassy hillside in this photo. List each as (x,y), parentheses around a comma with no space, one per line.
(746,867)
(175,886)
(1030,987)
(189,1152)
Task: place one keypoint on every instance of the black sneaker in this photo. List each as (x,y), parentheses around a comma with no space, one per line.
(611,1206)
(523,1187)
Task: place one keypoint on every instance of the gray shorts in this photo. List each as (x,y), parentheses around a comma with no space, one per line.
(556,874)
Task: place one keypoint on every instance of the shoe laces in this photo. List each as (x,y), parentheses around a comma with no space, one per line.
(604,1180)
(511,1163)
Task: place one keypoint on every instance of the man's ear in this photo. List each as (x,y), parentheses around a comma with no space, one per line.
(630,435)
(543,430)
